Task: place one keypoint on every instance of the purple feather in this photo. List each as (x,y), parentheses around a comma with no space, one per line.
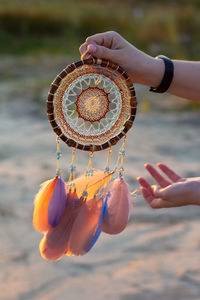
(57,203)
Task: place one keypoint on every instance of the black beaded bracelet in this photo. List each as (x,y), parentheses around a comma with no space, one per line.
(167,78)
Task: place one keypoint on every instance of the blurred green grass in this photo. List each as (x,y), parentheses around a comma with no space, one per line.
(29,27)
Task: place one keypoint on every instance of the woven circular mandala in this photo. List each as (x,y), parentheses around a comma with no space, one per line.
(91,104)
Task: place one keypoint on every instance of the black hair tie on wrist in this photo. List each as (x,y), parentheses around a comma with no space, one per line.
(167,78)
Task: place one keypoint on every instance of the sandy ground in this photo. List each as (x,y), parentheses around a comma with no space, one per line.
(158,254)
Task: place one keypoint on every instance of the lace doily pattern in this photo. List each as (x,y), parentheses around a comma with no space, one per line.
(91,104)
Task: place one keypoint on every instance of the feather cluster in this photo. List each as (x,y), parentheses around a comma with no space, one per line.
(72,220)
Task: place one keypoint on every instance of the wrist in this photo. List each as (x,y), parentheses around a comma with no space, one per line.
(196,192)
(150,71)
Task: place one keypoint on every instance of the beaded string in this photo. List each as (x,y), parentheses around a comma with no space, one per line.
(72,172)
(72,167)
(107,169)
(58,153)
(90,170)
(120,159)
(88,173)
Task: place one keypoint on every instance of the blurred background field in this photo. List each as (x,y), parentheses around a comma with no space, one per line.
(59,26)
(157,256)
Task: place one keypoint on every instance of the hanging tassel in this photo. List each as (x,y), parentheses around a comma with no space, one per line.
(118,208)
(57,202)
(87,226)
(50,200)
(41,202)
(55,243)
(119,202)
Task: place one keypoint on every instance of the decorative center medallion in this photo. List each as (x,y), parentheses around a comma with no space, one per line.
(92,104)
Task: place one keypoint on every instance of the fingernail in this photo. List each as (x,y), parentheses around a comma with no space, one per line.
(92,48)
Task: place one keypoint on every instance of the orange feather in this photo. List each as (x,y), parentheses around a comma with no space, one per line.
(41,202)
(92,183)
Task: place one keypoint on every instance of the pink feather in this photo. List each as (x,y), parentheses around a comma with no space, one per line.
(118,208)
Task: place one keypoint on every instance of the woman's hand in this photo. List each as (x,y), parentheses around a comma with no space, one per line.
(111,46)
(144,68)
(177,191)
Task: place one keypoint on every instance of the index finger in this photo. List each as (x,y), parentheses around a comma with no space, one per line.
(157,176)
(102,39)
(169,172)
(106,39)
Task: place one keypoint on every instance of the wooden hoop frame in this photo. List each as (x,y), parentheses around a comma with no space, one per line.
(50,107)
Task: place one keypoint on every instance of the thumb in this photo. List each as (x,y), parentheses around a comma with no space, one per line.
(100,51)
(159,192)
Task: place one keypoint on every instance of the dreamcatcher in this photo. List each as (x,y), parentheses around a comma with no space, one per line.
(91,106)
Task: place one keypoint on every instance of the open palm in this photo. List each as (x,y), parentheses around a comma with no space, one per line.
(172,192)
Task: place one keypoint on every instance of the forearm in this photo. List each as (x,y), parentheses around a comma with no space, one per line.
(186,81)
